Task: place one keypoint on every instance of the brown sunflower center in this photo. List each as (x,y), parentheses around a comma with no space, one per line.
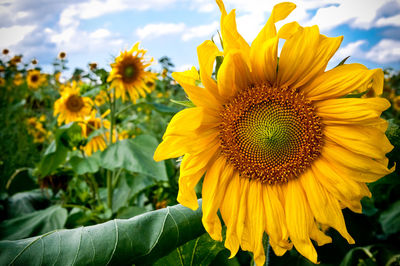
(270,134)
(129,70)
(34,78)
(75,103)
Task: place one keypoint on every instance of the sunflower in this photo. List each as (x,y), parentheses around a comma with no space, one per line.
(396,103)
(62,55)
(281,150)
(18,79)
(5,51)
(100,98)
(35,79)
(71,106)
(99,142)
(128,75)
(2,82)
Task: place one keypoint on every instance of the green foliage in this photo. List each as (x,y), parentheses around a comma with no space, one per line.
(34,223)
(140,240)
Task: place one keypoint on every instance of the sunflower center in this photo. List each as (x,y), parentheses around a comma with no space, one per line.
(34,78)
(74,103)
(270,134)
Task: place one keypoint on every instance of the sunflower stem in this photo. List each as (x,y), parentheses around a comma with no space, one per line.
(266,248)
(109,172)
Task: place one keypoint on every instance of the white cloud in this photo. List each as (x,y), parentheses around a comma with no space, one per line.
(13,35)
(200,31)
(386,51)
(391,21)
(160,29)
(184,67)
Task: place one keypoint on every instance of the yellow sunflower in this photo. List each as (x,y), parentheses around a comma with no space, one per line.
(280,149)
(71,106)
(18,79)
(35,79)
(99,142)
(100,98)
(128,75)
(396,103)
(2,82)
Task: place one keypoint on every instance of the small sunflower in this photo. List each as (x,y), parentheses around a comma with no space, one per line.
(34,61)
(281,150)
(2,82)
(5,51)
(71,106)
(15,60)
(128,75)
(100,98)
(35,79)
(2,68)
(18,79)
(92,123)
(62,55)
(93,66)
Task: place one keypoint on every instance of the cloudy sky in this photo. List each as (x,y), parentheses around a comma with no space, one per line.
(96,30)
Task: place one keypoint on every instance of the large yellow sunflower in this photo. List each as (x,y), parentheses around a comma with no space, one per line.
(35,79)
(128,74)
(280,149)
(71,106)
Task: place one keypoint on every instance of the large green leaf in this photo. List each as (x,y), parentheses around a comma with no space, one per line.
(26,202)
(199,251)
(35,223)
(135,155)
(390,219)
(85,165)
(139,240)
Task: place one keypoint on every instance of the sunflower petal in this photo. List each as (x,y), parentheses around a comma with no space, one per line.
(343,80)
(207,52)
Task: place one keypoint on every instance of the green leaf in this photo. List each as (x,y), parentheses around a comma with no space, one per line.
(64,137)
(139,240)
(35,223)
(165,108)
(187,104)
(200,251)
(390,219)
(343,61)
(85,165)
(135,155)
(25,202)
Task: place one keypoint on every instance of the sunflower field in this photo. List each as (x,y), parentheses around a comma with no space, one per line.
(249,159)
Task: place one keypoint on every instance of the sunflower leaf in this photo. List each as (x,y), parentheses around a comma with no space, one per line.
(188,104)
(134,155)
(139,240)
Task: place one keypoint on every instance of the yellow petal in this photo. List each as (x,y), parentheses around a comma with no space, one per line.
(207,52)
(199,96)
(214,185)
(171,147)
(287,30)
(299,220)
(343,80)
(351,110)
(324,206)
(319,236)
(192,169)
(368,168)
(230,37)
(233,75)
(184,121)
(263,52)
(229,211)
(366,141)
(297,55)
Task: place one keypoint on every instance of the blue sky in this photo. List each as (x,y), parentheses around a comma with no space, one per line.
(96,30)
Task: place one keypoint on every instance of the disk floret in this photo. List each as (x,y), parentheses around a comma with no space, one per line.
(270,134)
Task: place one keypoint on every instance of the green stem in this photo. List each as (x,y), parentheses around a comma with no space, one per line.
(266,248)
(109,174)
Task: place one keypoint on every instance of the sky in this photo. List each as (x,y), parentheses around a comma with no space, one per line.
(97,30)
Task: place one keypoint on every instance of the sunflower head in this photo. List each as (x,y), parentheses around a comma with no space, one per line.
(396,103)
(5,51)
(34,61)
(15,60)
(279,148)
(35,79)
(128,74)
(89,125)
(18,79)
(2,68)
(93,66)
(62,55)
(2,82)
(71,106)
